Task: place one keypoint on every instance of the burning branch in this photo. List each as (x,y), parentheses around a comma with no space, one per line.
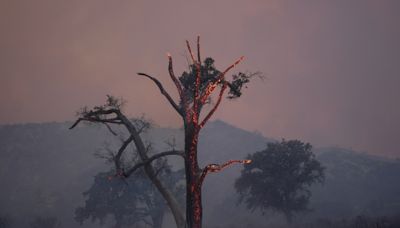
(197,81)
(210,87)
(213,168)
(221,93)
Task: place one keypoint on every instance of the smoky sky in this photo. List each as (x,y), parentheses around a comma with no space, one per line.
(331,67)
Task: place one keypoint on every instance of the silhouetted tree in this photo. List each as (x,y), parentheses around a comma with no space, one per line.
(132,202)
(279,177)
(195,88)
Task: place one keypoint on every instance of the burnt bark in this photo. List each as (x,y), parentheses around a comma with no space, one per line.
(192,171)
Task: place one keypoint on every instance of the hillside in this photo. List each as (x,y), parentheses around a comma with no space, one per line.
(44,168)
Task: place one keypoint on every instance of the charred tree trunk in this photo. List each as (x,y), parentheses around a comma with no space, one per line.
(193,186)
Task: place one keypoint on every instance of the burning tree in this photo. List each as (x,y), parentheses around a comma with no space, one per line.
(195,88)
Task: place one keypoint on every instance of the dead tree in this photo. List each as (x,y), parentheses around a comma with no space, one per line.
(195,88)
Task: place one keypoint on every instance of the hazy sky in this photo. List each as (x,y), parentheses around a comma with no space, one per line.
(332,67)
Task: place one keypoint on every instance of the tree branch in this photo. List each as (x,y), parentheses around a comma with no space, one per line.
(110,129)
(196,98)
(221,93)
(190,51)
(173,77)
(117,157)
(163,92)
(230,67)
(213,168)
(75,123)
(98,120)
(210,88)
(152,158)
(196,95)
(198,49)
(100,111)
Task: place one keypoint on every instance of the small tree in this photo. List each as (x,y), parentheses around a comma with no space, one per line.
(279,178)
(194,88)
(134,201)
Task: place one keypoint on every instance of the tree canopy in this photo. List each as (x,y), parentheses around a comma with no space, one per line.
(279,178)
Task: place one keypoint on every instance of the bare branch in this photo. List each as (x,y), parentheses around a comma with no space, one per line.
(213,168)
(98,120)
(173,77)
(110,129)
(190,51)
(105,154)
(161,167)
(75,123)
(171,143)
(198,49)
(212,111)
(152,158)
(163,92)
(141,124)
(100,111)
(117,158)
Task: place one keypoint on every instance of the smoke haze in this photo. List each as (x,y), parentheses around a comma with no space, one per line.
(331,67)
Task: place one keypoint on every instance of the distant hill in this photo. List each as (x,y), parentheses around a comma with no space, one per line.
(44,168)
(357,183)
